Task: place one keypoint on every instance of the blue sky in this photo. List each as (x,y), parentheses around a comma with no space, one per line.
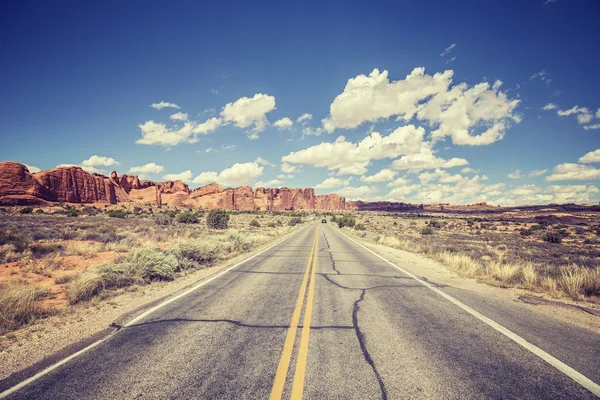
(79,80)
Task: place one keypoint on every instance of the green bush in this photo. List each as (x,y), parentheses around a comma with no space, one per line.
(360,227)
(295,221)
(72,213)
(19,242)
(427,230)
(435,224)
(39,211)
(553,237)
(272,225)
(526,232)
(346,220)
(187,218)
(193,252)
(26,210)
(217,219)
(254,223)
(163,219)
(146,264)
(117,213)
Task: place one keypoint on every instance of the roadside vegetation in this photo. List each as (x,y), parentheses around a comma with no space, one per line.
(544,253)
(56,258)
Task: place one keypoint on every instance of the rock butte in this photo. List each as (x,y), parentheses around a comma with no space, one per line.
(74,185)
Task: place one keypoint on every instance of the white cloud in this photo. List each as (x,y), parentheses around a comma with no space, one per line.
(288,168)
(543,75)
(283,123)
(448,50)
(346,156)
(515,175)
(450,60)
(250,112)
(143,170)
(584,118)
(400,193)
(591,157)
(238,174)
(32,169)
(598,113)
(310,131)
(399,182)
(99,161)
(467,170)
(226,148)
(583,114)
(179,116)
(156,133)
(477,115)
(532,194)
(589,127)
(185,176)
(425,159)
(550,106)
(359,193)
(262,161)
(304,118)
(570,171)
(332,182)
(382,176)
(208,150)
(164,104)
(284,176)
(273,183)
(537,172)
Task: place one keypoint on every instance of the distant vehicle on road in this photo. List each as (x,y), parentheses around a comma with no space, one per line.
(324,221)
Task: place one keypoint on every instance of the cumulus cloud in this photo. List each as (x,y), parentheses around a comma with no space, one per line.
(357,193)
(550,106)
(571,171)
(32,169)
(306,117)
(332,183)
(238,174)
(288,168)
(537,172)
(573,110)
(262,161)
(95,163)
(185,176)
(180,116)
(250,112)
(384,175)
(283,123)
(516,175)
(273,183)
(146,169)
(477,115)
(156,133)
(164,104)
(399,182)
(467,170)
(425,159)
(591,157)
(590,127)
(350,157)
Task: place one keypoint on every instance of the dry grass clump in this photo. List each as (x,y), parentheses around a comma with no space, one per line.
(505,273)
(460,262)
(82,248)
(84,287)
(195,252)
(20,304)
(406,245)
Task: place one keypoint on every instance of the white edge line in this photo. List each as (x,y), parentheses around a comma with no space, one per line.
(556,363)
(51,368)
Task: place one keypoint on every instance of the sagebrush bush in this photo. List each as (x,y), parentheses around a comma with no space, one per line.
(26,210)
(148,264)
(198,251)
(346,220)
(553,237)
(427,230)
(162,219)
(187,218)
(295,221)
(217,219)
(360,227)
(254,223)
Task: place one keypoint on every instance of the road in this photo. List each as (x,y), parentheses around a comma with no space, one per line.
(320,317)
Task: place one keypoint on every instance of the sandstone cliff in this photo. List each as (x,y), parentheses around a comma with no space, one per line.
(74,185)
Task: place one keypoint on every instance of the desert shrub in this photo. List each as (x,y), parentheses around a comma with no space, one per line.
(193,252)
(427,230)
(19,242)
(272,225)
(346,220)
(526,232)
(117,213)
(19,304)
(72,212)
(162,219)
(552,237)
(217,219)
(187,218)
(26,210)
(295,221)
(39,211)
(39,250)
(137,210)
(146,264)
(435,224)
(81,248)
(254,223)
(360,227)
(505,273)
(84,287)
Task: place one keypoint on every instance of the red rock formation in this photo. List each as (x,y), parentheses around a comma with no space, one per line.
(74,185)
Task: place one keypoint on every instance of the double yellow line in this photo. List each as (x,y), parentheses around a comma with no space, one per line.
(288,347)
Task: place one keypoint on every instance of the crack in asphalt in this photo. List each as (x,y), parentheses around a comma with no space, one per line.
(229,321)
(326,276)
(363,347)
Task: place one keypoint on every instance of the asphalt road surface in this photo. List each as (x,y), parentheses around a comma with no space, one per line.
(320,317)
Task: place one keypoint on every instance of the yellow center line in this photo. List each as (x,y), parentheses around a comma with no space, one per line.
(286,355)
(300,372)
